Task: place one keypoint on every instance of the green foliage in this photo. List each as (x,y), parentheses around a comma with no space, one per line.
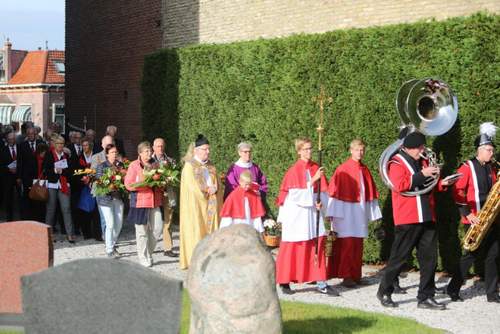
(262,90)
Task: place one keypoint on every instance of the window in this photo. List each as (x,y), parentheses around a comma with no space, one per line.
(2,68)
(58,116)
(60,68)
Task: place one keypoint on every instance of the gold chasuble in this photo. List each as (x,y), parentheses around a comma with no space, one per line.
(199,211)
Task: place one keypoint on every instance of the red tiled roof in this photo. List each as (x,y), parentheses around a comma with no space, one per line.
(39,67)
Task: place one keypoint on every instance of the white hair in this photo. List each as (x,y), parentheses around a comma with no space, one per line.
(244,145)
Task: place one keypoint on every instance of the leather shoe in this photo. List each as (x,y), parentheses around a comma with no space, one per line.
(493,299)
(386,300)
(170,253)
(431,304)
(399,290)
(455,297)
(285,288)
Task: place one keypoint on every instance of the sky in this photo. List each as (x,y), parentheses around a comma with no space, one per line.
(29,23)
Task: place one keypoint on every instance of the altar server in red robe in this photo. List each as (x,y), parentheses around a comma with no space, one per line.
(244,205)
(353,203)
(297,261)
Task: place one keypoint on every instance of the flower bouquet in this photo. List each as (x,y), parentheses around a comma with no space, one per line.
(110,181)
(88,175)
(163,176)
(272,233)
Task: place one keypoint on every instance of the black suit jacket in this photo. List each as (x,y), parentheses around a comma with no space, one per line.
(27,167)
(120,147)
(8,178)
(48,169)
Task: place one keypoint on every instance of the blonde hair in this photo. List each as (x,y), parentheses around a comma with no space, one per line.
(57,138)
(356,142)
(300,142)
(189,153)
(142,146)
(245,176)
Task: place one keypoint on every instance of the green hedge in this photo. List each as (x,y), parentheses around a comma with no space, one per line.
(262,90)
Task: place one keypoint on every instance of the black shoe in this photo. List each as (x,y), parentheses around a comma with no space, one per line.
(493,299)
(431,304)
(285,288)
(386,300)
(455,297)
(170,253)
(399,290)
(328,290)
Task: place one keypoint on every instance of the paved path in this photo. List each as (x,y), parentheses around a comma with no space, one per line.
(473,316)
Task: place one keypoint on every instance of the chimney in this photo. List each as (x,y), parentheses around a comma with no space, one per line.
(7,60)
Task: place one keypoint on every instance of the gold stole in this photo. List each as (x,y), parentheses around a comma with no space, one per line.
(199,176)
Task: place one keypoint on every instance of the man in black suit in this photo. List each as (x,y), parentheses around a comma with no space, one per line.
(8,172)
(76,184)
(27,171)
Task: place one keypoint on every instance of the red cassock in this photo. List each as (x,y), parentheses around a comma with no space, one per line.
(347,259)
(465,190)
(296,260)
(234,205)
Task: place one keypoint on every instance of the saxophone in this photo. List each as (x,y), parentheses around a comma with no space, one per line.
(487,216)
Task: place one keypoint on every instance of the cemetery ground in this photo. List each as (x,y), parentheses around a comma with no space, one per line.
(355,311)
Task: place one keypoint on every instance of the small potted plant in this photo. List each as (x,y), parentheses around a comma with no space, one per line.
(272,233)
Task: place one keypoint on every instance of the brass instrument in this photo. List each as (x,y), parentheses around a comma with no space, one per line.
(487,216)
(426,105)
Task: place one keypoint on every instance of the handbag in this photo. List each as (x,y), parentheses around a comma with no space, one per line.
(39,191)
(86,202)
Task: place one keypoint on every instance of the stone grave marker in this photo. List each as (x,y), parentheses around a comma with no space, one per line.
(101,296)
(231,284)
(25,248)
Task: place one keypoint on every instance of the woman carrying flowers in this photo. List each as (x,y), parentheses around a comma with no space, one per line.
(145,204)
(109,197)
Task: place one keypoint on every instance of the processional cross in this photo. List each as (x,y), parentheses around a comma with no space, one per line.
(322,100)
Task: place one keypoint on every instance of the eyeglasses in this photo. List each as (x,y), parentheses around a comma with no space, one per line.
(246,151)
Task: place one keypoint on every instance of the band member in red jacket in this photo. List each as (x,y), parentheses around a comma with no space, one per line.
(414,222)
(470,194)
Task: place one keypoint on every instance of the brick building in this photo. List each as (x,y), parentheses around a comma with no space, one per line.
(106,42)
(31,86)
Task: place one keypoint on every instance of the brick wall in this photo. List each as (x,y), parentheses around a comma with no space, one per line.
(220,21)
(106,42)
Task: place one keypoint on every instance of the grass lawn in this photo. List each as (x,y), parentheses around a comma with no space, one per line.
(302,318)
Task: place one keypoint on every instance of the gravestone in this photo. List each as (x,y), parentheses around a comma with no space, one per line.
(231,284)
(101,296)
(25,248)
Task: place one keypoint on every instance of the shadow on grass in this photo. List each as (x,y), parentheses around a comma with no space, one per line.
(320,325)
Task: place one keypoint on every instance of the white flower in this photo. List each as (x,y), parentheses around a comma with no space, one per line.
(118,177)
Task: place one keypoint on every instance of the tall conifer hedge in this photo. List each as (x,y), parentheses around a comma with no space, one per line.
(261,91)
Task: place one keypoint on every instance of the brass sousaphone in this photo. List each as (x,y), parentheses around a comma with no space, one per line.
(428,106)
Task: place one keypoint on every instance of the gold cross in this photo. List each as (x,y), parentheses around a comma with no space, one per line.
(322,100)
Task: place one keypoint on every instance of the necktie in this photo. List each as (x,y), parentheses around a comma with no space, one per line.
(13,153)
(32,146)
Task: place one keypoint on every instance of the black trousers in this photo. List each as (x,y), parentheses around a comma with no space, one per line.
(422,236)
(489,247)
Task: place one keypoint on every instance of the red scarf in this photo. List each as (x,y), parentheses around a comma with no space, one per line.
(344,184)
(234,206)
(83,162)
(62,179)
(39,163)
(295,178)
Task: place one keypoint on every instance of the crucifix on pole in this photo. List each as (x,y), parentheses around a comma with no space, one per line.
(322,100)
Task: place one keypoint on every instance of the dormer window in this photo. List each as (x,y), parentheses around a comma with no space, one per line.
(60,67)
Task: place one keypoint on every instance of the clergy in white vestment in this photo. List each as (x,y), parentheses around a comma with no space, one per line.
(297,261)
(353,203)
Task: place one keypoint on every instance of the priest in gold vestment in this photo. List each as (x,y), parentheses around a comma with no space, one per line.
(201,197)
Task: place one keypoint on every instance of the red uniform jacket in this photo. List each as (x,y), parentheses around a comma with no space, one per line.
(470,191)
(405,175)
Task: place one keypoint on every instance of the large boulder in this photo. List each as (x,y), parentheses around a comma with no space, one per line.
(231,284)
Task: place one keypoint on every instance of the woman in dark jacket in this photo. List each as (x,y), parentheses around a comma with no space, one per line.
(58,172)
(111,205)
